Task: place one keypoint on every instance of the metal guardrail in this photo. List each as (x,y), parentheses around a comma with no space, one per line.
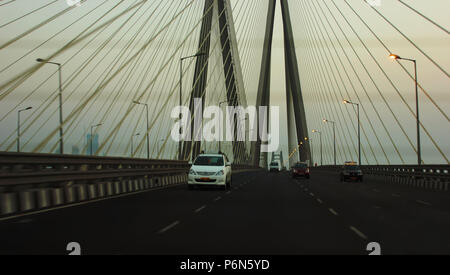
(400,170)
(30,182)
(36,169)
(18,169)
(436,177)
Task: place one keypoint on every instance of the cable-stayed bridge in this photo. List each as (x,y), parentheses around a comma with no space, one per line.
(90,93)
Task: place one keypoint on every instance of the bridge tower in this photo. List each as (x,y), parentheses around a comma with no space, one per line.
(221,11)
(297,127)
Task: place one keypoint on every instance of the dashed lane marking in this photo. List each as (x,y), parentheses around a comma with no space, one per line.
(218,198)
(200,209)
(423,202)
(319,201)
(333,212)
(359,233)
(170,226)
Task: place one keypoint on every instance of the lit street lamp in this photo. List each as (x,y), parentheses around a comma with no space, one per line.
(181,93)
(334,136)
(132,149)
(419,153)
(359,129)
(18,126)
(61,141)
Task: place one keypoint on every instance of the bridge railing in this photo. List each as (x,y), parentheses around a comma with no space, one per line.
(435,177)
(30,181)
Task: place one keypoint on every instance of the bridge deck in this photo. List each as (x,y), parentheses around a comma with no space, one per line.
(263,214)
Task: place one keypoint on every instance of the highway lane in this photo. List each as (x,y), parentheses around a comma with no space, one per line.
(264,213)
(404,220)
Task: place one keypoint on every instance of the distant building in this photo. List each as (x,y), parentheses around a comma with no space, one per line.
(75,150)
(95,138)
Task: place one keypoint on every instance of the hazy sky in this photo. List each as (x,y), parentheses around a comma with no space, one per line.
(314,51)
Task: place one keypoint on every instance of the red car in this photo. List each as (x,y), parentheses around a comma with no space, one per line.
(300,169)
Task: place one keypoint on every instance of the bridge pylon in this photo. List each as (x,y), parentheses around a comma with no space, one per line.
(297,127)
(218,10)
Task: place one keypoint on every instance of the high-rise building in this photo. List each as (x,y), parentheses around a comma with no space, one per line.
(94,143)
(75,150)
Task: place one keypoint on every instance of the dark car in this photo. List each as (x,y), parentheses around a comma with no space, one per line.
(351,171)
(300,169)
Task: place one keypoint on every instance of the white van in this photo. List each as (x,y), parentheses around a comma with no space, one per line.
(210,169)
(275,166)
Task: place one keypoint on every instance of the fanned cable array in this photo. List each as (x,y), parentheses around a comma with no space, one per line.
(343,49)
(114,54)
(121,59)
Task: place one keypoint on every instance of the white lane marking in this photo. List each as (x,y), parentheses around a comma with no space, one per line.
(218,198)
(170,226)
(88,202)
(312,194)
(319,201)
(376,191)
(377,207)
(359,233)
(333,212)
(229,192)
(423,202)
(396,195)
(200,209)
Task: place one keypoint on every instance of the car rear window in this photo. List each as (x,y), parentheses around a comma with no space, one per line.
(274,164)
(300,165)
(209,161)
(352,167)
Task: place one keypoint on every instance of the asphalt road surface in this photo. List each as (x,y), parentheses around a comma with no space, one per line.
(264,213)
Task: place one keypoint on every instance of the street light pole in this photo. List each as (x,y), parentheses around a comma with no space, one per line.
(334,137)
(220,126)
(18,126)
(148,138)
(61,141)
(180,154)
(359,129)
(419,151)
(320,136)
(90,140)
(132,149)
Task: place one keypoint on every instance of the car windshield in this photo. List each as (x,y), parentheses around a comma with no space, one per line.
(209,161)
(300,165)
(274,164)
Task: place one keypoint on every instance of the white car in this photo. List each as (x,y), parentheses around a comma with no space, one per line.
(274,166)
(210,170)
